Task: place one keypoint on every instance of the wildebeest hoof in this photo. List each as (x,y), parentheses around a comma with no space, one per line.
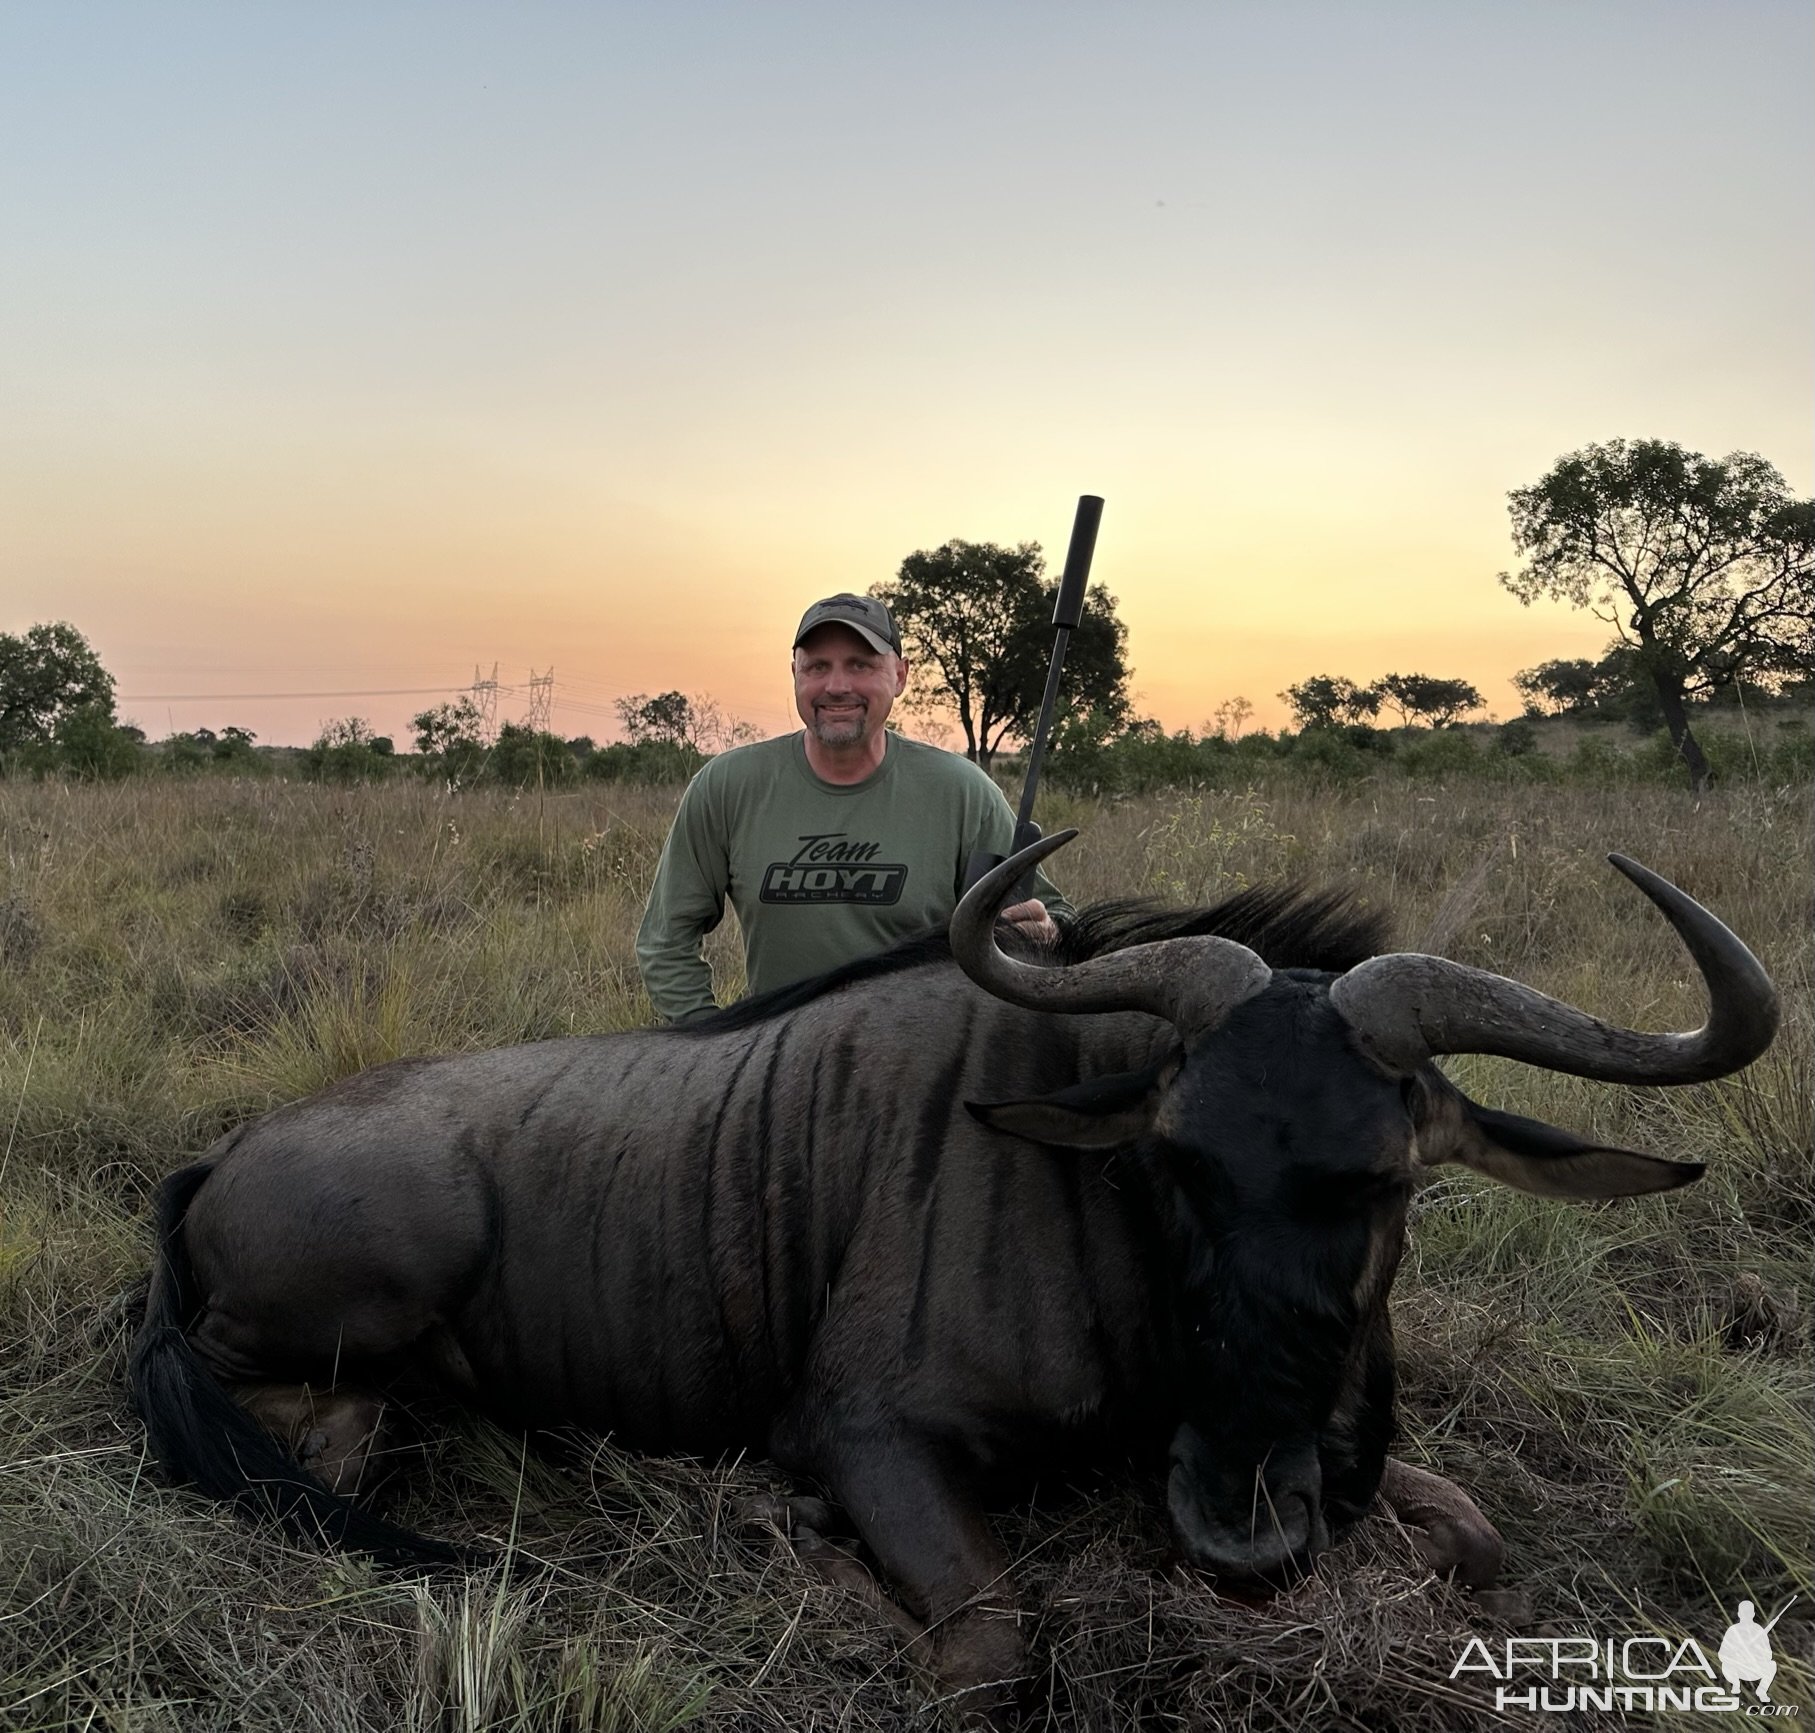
(766,1512)
(1473,1558)
(802,1523)
(1445,1525)
(334,1434)
(978,1661)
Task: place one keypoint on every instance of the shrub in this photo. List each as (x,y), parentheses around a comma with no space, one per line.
(1517,738)
(92,747)
(525,758)
(347,751)
(1328,755)
(658,762)
(1442,753)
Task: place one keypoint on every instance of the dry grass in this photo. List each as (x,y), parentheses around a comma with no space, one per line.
(1625,1387)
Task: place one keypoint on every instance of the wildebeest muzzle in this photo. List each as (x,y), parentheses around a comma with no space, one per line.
(1251,1524)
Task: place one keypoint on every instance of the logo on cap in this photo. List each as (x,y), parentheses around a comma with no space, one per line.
(866,616)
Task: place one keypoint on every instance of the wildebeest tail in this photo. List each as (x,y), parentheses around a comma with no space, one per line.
(202,1436)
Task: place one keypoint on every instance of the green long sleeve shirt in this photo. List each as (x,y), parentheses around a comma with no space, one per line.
(820,873)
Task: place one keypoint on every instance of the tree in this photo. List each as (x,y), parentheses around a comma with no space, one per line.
(675,719)
(453,735)
(1229,718)
(527,758)
(92,746)
(1563,687)
(1615,687)
(234,747)
(1706,569)
(977,618)
(348,751)
(1326,700)
(45,674)
(1439,702)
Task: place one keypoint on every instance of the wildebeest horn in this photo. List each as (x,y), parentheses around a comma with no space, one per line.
(1407,1008)
(1194,983)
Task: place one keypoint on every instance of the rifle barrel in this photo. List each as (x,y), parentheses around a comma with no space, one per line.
(1067,611)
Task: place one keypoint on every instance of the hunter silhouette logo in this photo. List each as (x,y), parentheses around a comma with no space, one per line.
(1745,1651)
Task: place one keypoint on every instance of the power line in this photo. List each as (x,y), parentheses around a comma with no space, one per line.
(485,693)
(247,697)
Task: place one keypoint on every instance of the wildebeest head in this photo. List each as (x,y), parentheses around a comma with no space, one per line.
(1282,1137)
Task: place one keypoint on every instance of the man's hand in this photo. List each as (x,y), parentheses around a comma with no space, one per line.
(1033,920)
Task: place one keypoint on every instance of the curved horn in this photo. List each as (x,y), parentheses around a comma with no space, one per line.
(1408,1008)
(1193,983)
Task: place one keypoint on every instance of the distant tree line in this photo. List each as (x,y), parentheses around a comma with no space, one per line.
(1703,569)
(1330,700)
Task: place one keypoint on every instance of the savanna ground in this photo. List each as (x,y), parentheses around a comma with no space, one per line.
(1624,1387)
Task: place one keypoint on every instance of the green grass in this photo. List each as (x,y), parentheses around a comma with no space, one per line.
(1623,1387)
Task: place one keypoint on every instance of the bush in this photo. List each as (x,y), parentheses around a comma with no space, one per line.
(1516,739)
(185,754)
(1598,760)
(1328,755)
(657,762)
(1733,756)
(348,751)
(1792,759)
(92,747)
(524,758)
(1445,752)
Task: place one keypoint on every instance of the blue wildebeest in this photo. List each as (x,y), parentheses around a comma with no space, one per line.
(939,1213)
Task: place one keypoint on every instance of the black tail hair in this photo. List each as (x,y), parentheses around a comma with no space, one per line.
(202,1436)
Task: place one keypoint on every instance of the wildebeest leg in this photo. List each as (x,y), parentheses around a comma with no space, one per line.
(805,1524)
(928,1532)
(1447,1526)
(334,1433)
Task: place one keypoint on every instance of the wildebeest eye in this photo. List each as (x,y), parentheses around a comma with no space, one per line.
(1343,1195)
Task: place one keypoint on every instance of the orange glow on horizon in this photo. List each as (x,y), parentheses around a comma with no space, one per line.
(348,356)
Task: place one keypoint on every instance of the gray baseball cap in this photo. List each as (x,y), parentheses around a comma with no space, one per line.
(866,616)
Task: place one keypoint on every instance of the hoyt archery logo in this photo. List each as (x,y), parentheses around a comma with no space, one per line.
(830,868)
(1560,1675)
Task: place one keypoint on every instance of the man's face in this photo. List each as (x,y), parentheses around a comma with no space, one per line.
(843,688)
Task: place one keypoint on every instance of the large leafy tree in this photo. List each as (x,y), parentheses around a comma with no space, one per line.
(1328,700)
(1704,567)
(976,619)
(46,675)
(1438,701)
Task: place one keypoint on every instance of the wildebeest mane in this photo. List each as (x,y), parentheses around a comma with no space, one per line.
(1289,926)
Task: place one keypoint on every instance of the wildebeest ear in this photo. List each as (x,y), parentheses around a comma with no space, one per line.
(1552,1162)
(1098,1114)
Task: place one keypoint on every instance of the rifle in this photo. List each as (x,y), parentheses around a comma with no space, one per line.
(1067,611)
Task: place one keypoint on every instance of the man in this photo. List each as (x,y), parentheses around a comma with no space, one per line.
(831,843)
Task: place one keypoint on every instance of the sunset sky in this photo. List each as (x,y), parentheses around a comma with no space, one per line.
(346,346)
